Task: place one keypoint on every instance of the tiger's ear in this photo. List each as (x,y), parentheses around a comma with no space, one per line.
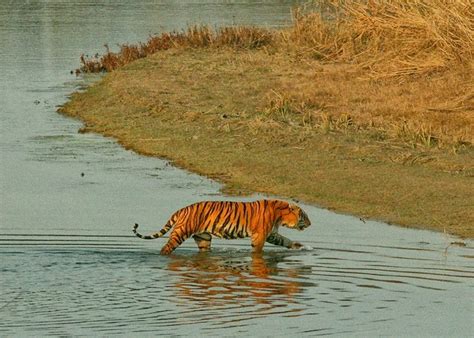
(294,208)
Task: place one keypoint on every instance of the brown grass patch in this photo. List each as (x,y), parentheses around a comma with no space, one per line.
(338,97)
(388,38)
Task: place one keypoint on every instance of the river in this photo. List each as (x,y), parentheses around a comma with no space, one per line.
(69,264)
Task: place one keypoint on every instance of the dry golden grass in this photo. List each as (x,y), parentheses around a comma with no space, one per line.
(389,38)
(338,97)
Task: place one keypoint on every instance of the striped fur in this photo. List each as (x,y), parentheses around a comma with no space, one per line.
(259,220)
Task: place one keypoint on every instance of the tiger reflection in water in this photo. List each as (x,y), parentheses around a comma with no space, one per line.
(232,280)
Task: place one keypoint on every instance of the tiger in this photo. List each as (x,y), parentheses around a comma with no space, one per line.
(258,220)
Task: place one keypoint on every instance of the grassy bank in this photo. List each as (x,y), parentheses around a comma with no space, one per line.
(370,113)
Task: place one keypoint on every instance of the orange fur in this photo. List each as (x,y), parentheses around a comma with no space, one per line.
(259,220)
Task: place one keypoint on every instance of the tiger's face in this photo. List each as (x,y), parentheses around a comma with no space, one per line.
(295,217)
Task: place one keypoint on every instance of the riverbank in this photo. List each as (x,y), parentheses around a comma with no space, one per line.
(272,118)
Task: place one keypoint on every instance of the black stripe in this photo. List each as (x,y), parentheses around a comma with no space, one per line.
(216,221)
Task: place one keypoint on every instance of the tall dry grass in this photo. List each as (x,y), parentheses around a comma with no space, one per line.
(388,38)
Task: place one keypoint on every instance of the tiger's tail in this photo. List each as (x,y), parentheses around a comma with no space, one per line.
(155,235)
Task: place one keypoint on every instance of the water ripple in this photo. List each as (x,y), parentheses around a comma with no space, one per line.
(92,284)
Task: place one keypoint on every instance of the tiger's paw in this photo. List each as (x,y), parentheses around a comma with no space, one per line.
(296,246)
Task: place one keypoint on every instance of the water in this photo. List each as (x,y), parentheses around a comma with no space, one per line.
(70,266)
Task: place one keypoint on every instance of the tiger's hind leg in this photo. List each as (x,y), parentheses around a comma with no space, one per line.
(258,241)
(177,236)
(203,241)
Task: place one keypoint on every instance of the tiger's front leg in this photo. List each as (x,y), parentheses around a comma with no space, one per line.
(277,239)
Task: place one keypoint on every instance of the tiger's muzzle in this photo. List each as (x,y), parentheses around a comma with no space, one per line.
(304,221)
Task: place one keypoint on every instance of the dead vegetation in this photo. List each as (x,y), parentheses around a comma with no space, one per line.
(388,38)
(193,37)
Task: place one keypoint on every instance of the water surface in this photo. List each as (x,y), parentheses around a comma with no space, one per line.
(70,265)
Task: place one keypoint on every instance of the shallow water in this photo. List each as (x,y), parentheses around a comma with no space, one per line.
(70,266)
(402,283)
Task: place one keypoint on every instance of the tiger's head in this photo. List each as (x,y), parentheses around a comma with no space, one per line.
(294,217)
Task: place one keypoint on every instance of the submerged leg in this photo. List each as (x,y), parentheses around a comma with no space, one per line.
(203,241)
(177,236)
(277,239)
(258,241)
